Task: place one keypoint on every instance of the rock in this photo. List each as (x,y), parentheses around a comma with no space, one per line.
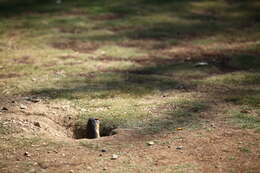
(37,124)
(71,171)
(26,154)
(212,125)
(179,129)
(201,64)
(150,143)
(4,109)
(179,147)
(89,168)
(33,99)
(114,157)
(23,107)
(104,169)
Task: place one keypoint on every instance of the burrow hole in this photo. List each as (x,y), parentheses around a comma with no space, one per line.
(80,131)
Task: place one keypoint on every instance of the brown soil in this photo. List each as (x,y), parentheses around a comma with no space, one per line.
(216,147)
(10,75)
(24,60)
(67,57)
(75,30)
(107,17)
(122,28)
(82,47)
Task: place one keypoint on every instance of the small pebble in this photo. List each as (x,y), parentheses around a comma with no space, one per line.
(4,109)
(179,147)
(114,157)
(150,143)
(23,107)
(37,124)
(200,64)
(26,154)
(89,168)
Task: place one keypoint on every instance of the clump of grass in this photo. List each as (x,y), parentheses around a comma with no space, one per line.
(247,121)
(245,149)
(120,52)
(6,128)
(90,145)
(234,79)
(246,62)
(3,129)
(251,100)
(186,114)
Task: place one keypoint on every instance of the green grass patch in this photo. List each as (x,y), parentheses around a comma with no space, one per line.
(246,61)
(249,98)
(6,128)
(120,52)
(246,121)
(244,149)
(186,115)
(235,78)
(116,59)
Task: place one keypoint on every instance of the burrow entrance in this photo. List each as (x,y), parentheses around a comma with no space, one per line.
(80,131)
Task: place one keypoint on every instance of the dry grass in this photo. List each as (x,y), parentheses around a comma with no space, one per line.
(133,65)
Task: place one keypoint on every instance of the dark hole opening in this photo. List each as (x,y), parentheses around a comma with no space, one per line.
(80,131)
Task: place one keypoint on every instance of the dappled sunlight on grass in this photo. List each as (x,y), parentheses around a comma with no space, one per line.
(120,53)
(234,79)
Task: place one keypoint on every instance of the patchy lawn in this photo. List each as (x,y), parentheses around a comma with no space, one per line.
(182,74)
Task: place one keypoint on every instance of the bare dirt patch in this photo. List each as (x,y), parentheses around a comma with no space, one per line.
(50,64)
(75,12)
(107,17)
(10,75)
(75,30)
(146,60)
(142,44)
(215,147)
(77,46)
(122,28)
(24,60)
(65,57)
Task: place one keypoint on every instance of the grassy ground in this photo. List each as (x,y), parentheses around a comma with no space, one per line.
(133,65)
